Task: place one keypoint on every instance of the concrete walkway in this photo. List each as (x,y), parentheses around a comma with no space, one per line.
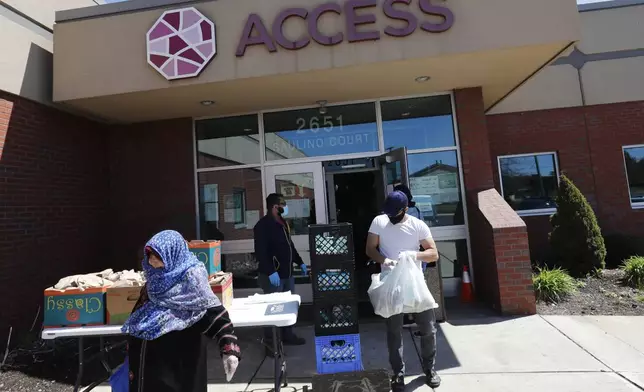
(481,353)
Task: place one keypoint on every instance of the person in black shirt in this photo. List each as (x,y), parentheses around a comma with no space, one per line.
(173,320)
(276,255)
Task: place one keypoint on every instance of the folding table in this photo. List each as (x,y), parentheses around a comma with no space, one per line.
(273,310)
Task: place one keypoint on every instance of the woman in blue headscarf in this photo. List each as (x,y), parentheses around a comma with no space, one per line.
(173,320)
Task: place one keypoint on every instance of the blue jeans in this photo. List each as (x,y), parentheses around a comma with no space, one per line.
(287,284)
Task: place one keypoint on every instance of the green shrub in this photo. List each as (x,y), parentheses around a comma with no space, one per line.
(576,240)
(634,272)
(553,285)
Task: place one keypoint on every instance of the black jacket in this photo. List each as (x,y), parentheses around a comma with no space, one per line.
(274,248)
(176,361)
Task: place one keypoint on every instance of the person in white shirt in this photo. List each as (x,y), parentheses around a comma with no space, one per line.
(390,235)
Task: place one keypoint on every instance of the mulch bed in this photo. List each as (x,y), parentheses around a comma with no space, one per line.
(601,296)
(51,366)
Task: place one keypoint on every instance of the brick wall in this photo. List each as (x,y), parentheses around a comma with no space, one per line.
(588,142)
(499,239)
(53,204)
(151,185)
(509,250)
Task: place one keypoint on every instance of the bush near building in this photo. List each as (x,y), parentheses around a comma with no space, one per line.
(576,239)
(634,272)
(553,285)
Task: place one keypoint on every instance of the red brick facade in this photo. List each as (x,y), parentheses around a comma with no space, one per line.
(151,171)
(53,204)
(79,196)
(588,142)
(499,240)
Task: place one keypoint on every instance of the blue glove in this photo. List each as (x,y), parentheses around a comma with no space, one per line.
(305,270)
(275,279)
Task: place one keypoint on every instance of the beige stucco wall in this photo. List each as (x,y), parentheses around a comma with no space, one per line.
(118,65)
(613,35)
(26,61)
(44,11)
(26,48)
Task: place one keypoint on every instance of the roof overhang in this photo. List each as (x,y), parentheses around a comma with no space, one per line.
(101,67)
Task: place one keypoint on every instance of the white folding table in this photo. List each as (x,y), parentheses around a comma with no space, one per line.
(274,310)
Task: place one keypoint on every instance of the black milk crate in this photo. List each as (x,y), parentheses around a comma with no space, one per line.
(331,243)
(332,280)
(338,316)
(356,381)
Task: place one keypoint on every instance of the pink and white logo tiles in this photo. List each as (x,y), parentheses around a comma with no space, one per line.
(181,43)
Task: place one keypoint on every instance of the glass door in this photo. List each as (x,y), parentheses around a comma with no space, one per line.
(303,188)
(394,169)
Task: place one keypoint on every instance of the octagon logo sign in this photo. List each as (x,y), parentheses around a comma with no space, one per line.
(181,43)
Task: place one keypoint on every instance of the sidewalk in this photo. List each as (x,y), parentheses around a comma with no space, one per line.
(481,353)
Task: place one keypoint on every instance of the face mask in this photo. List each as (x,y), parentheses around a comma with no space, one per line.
(396,219)
(283,211)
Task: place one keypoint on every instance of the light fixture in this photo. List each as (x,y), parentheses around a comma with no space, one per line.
(207,103)
(406,114)
(422,79)
(322,104)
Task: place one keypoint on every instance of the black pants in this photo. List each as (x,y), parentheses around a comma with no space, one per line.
(287,284)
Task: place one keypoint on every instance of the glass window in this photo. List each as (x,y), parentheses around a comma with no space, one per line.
(634,157)
(243,266)
(319,132)
(418,123)
(299,194)
(227,141)
(436,187)
(453,256)
(529,182)
(230,203)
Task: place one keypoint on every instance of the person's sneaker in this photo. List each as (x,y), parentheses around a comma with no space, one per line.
(294,341)
(433,379)
(397,384)
(408,322)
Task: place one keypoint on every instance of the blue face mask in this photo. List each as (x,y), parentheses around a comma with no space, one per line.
(284,211)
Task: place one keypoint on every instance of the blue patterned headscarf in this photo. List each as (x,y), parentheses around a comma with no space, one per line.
(179,293)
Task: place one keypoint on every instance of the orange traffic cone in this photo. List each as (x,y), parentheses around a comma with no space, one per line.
(466,286)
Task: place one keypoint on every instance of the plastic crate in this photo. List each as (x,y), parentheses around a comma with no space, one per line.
(368,380)
(334,281)
(338,316)
(338,354)
(331,243)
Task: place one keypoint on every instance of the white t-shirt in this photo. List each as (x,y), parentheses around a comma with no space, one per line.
(405,236)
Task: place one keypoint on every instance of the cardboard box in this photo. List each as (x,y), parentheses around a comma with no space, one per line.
(74,307)
(223,289)
(209,253)
(119,303)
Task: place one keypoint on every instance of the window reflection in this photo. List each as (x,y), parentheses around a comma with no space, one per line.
(529,182)
(243,266)
(452,257)
(230,203)
(634,158)
(435,187)
(227,141)
(299,193)
(418,123)
(312,133)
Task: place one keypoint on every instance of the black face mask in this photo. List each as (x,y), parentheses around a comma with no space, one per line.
(396,219)
(280,210)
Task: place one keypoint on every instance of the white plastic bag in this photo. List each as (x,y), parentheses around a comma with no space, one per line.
(402,290)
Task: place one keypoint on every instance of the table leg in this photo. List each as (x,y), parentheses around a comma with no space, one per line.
(278,359)
(81,359)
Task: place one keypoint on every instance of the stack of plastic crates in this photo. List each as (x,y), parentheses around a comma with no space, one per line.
(337,338)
